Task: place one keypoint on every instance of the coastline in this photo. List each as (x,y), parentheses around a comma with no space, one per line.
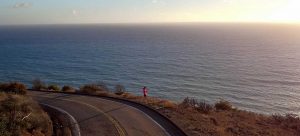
(191,117)
(199,118)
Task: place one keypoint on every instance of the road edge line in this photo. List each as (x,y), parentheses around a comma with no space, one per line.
(118,126)
(76,129)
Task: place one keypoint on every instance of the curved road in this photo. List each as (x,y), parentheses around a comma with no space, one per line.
(102,117)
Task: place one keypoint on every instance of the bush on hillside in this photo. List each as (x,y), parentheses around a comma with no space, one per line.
(119,89)
(288,118)
(38,85)
(13,87)
(93,88)
(188,102)
(223,105)
(67,89)
(22,116)
(103,86)
(53,88)
(204,107)
(287,121)
(201,106)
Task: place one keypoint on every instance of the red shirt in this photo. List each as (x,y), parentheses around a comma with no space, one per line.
(145,91)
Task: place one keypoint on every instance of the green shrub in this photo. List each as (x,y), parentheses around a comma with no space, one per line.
(13,87)
(67,89)
(223,105)
(119,89)
(54,88)
(37,84)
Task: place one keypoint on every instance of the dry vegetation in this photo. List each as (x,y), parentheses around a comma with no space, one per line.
(13,87)
(198,118)
(20,115)
(37,84)
(94,89)
(223,120)
(119,89)
(54,88)
(67,89)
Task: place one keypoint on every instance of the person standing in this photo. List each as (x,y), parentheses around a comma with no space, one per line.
(145,91)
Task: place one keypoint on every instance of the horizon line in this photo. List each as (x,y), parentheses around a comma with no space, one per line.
(145,23)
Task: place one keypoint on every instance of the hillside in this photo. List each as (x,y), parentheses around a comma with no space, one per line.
(20,115)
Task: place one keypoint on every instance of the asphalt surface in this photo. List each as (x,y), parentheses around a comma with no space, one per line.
(104,117)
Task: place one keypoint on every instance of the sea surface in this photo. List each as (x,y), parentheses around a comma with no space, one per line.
(254,66)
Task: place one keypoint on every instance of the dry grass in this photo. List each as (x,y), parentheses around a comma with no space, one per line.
(198,118)
(226,121)
(153,102)
(119,89)
(200,106)
(20,115)
(288,121)
(130,96)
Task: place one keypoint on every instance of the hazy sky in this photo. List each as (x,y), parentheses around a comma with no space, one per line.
(124,11)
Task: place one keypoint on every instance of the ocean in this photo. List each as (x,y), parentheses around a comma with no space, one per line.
(254,66)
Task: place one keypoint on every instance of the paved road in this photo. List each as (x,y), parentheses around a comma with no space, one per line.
(102,117)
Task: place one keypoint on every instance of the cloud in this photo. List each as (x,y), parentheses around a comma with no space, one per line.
(22,5)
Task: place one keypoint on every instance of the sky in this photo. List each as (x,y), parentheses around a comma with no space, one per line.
(147,11)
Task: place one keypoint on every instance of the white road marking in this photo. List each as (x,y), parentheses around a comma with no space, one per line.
(77,128)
